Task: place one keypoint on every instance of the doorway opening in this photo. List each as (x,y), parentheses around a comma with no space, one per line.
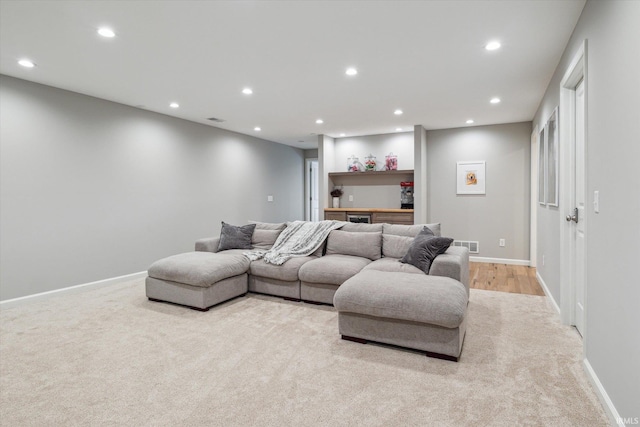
(312,211)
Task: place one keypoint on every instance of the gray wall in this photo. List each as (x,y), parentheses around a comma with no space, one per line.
(613,235)
(92,189)
(503,212)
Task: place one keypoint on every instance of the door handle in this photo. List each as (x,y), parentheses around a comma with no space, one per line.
(573,217)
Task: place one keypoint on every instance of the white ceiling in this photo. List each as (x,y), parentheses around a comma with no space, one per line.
(424,57)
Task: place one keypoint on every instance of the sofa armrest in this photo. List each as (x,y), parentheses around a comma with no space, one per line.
(208,244)
(453,263)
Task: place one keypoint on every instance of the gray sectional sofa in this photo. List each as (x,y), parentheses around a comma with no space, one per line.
(367,256)
(347,251)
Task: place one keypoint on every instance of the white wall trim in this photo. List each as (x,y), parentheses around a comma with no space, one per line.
(509,261)
(15,302)
(609,408)
(548,294)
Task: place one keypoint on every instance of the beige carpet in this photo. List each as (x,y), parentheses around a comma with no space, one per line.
(110,357)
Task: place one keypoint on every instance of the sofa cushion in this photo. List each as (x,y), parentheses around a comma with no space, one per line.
(287,272)
(395,246)
(199,268)
(425,248)
(354,226)
(392,265)
(397,238)
(420,298)
(276,226)
(332,269)
(410,230)
(235,237)
(364,244)
(266,233)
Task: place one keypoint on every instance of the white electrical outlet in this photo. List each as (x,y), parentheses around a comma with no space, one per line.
(502,243)
(351,197)
(269,198)
(596,201)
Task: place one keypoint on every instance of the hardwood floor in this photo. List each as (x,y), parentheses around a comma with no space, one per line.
(505,278)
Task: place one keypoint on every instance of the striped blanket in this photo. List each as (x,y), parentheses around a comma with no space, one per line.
(300,238)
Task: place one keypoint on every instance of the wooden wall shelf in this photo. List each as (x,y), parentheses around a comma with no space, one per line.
(371,173)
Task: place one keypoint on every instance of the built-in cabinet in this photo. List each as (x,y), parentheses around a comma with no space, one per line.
(378,216)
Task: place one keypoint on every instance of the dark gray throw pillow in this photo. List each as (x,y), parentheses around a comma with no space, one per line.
(425,247)
(235,237)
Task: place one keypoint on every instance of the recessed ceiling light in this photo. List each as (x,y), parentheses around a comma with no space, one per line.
(493,45)
(495,100)
(469,121)
(257,129)
(398,129)
(247,91)
(397,112)
(27,63)
(342,134)
(319,121)
(106,32)
(174,105)
(351,71)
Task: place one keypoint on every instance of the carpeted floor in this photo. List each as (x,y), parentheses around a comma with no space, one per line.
(110,357)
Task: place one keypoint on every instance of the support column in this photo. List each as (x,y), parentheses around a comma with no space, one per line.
(326,164)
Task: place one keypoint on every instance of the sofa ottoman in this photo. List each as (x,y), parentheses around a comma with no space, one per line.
(198,279)
(420,312)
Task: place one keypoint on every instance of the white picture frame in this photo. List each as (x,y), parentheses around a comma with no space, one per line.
(551,139)
(542,168)
(471,177)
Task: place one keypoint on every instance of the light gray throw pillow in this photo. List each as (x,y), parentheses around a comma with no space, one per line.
(425,248)
(266,234)
(364,244)
(235,237)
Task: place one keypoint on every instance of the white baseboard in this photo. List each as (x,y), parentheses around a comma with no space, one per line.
(548,294)
(611,411)
(70,290)
(509,261)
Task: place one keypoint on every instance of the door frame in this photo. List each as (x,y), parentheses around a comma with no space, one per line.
(576,71)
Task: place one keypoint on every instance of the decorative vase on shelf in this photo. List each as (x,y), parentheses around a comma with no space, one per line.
(370,163)
(354,165)
(391,162)
(336,202)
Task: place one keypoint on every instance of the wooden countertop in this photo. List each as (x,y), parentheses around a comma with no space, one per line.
(371,210)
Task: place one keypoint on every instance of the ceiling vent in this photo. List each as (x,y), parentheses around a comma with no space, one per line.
(215,119)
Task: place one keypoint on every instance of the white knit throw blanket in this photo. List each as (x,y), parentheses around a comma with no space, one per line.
(300,238)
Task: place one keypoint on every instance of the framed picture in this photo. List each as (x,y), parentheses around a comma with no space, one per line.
(542,169)
(552,159)
(471,177)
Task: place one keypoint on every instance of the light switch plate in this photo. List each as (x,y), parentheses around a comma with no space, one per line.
(269,198)
(596,201)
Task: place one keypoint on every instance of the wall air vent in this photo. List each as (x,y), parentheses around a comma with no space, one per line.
(215,119)
(473,246)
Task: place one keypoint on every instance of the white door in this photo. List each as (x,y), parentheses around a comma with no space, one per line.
(580,203)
